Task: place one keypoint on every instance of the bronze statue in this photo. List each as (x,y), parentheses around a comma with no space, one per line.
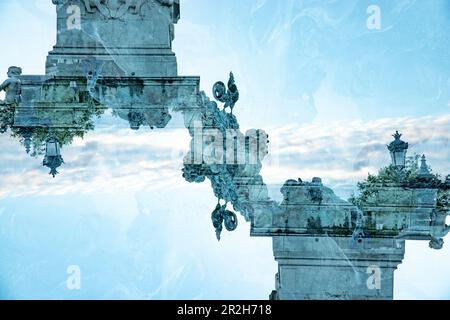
(230,96)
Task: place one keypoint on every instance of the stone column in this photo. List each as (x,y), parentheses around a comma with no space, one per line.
(324,268)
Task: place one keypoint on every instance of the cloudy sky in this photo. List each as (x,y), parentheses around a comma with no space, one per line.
(328,90)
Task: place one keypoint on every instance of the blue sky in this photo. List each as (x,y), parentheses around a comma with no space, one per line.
(329,92)
(316,60)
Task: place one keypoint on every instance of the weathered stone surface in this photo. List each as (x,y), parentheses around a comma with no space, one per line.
(114,38)
(324,245)
(113,54)
(310,209)
(117,54)
(56,102)
(329,268)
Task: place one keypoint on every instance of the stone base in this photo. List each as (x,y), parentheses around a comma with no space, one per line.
(155,63)
(334,268)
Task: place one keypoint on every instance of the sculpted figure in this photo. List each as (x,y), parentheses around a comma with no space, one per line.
(230,96)
(12,87)
(114,9)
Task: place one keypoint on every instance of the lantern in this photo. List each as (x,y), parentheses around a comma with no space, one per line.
(398,149)
(53,158)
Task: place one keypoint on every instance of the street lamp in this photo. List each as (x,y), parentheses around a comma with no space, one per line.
(53,158)
(398,149)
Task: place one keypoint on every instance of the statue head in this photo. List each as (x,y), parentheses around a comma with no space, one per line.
(14,71)
(436,243)
(136,119)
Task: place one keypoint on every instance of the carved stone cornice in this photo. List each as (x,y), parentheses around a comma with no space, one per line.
(116,9)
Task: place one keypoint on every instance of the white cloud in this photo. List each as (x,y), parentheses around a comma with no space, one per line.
(101,162)
(342,153)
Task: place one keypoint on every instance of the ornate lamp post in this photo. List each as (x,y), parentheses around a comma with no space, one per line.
(53,158)
(398,149)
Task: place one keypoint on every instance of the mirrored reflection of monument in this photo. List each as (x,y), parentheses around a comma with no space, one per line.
(108,55)
(328,248)
(118,55)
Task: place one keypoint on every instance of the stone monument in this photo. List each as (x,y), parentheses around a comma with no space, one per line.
(109,54)
(328,248)
(117,38)
(117,54)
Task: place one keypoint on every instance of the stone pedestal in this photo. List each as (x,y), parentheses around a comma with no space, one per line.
(114,54)
(109,54)
(327,248)
(114,38)
(324,268)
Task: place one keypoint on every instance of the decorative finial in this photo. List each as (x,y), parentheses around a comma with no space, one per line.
(424,172)
(53,172)
(27,143)
(27,135)
(397,144)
